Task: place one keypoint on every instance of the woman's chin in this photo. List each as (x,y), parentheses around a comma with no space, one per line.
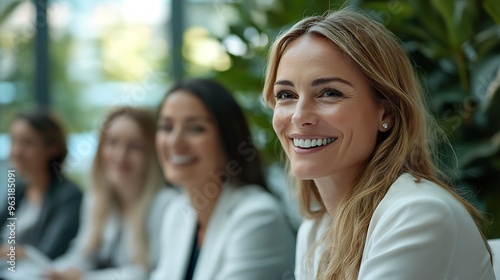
(305,174)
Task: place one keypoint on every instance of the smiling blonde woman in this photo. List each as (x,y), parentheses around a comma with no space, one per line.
(350,115)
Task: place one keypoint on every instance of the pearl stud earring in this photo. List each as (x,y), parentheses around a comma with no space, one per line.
(385,125)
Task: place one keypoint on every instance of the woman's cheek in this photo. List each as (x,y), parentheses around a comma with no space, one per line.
(279,121)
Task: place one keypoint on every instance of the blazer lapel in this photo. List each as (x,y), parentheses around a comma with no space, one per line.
(179,251)
(46,212)
(215,238)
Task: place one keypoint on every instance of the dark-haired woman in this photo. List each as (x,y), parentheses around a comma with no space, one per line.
(225,225)
(47,204)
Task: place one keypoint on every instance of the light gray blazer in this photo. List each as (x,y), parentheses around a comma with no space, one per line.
(247,238)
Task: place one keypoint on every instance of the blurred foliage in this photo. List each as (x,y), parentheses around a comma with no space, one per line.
(455,46)
(121,55)
(15,47)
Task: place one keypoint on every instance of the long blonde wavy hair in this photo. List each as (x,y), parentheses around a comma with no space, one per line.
(407,147)
(103,191)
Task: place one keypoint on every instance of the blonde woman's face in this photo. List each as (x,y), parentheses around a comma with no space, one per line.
(187,141)
(124,153)
(326,116)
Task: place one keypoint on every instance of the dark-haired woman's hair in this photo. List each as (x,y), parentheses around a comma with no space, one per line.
(49,127)
(233,129)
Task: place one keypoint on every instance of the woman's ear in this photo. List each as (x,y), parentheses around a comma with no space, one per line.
(387,116)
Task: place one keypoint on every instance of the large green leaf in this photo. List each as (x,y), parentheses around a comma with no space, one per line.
(430,20)
(469,152)
(493,101)
(459,17)
(485,82)
(493,9)
(465,21)
(446,8)
(483,43)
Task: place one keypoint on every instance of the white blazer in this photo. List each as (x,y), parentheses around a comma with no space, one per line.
(495,249)
(418,231)
(247,238)
(117,243)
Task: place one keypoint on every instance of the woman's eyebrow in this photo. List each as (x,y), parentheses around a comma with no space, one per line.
(322,81)
(197,119)
(187,120)
(316,82)
(284,83)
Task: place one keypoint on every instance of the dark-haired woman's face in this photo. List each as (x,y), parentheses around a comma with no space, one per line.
(28,151)
(187,141)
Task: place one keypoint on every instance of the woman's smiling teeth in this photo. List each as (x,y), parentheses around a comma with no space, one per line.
(180,159)
(311,143)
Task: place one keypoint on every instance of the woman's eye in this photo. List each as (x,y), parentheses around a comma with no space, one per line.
(164,127)
(26,142)
(196,129)
(136,146)
(331,93)
(284,95)
(110,142)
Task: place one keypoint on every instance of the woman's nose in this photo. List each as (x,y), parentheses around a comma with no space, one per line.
(176,139)
(305,114)
(15,150)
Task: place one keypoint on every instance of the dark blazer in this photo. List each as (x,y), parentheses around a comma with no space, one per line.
(58,220)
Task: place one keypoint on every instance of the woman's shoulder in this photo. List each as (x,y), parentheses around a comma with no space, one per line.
(250,199)
(421,214)
(65,190)
(165,195)
(162,199)
(251,209)
(314,227)
(407,189)
(420,200)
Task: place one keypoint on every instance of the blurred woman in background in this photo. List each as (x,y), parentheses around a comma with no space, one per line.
(226,224)
(47,204)
(122,213)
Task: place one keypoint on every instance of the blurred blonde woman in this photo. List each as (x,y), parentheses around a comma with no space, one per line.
(121,214)
(350,115)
